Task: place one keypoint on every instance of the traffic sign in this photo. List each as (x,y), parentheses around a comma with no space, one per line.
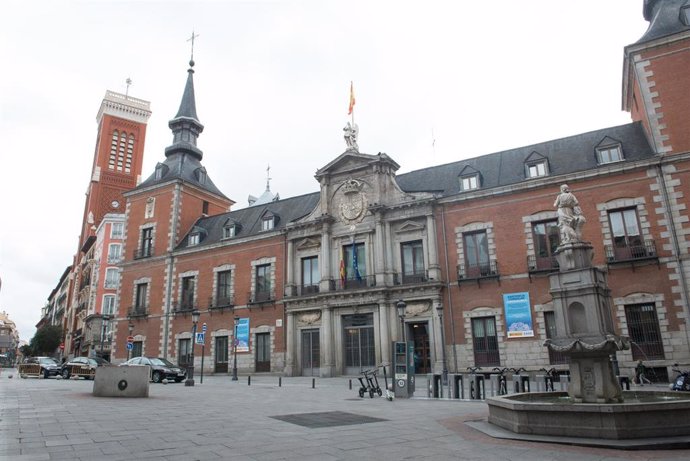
(62,346)
(203,327)
(130,346)
(130,339)
(200,338)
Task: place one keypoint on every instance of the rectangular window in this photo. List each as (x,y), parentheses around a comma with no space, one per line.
(111,277)
(187,297)
(108,305)
(224,288)
(413,262)
(310,274)
(263,282)
(476,254)
(469,182)
(146,242)
(555,358)
(609,155)
(184,352)
(644,332)
(536,170)
(137,349)
(267,224)
(485,342)
(192,240)
(228,232)
(204,207)
(355,262)
(141,295)
(627,238)
(114,253)
(547,237)
(117,230)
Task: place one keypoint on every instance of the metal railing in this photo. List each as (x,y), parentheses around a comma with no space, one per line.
(145,252)
(478,271)
(260,297)
(628,252)
(221,302)
(183,307)
(354,283)
(138,311)
(541,263)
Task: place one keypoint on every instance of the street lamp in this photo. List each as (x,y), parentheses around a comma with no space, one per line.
(190,366)
(104,323)
(401,306)
(130,330)
(439,309)
(234,351)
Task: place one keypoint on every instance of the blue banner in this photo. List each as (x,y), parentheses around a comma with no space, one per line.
(242,339)
(518,315)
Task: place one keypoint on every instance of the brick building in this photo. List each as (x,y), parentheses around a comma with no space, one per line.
(316,279)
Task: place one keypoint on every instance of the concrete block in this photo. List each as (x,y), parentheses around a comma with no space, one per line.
(121,382)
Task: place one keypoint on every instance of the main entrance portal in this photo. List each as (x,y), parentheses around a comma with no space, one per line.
(358,339)
(311,349)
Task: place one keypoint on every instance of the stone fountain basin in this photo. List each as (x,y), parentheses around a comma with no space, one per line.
(643,414)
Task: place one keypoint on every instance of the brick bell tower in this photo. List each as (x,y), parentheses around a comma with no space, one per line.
(656,81)
(118,158)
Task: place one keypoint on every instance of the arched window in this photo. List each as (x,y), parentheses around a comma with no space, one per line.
(113,150)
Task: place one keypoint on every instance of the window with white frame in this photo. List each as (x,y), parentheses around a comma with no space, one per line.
(469,182)
(111,276)
(117,230)
(193,239)
(228,231)
(108,304)
(114,253)
(267,223)
(536,170)
(610,154)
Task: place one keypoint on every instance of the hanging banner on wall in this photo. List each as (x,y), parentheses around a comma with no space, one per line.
(518,315)
(243,335)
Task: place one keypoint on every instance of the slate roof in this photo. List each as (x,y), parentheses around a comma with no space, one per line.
(249,219)
(664,18)
(564,155)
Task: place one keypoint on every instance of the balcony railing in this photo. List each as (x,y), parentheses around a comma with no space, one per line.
(631,252)
(406,279)
(138,311)
(145,252)
(183,307)
(541,263)
(114,259)
(477,271)
(354,283)
(261,297)
(302,290)
(221,302)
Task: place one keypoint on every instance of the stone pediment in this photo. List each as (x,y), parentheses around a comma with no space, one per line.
(351,161)
(409,226)
(308,243)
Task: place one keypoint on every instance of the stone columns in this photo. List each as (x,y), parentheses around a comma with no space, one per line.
(290,345)
(327,340)
(289,271)
(384,333)
(325,259)
(432,247)
(379,253)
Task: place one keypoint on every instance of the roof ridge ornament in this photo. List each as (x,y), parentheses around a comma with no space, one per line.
(351,132)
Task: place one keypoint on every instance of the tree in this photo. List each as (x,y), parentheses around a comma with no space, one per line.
(26,351)
(46,340)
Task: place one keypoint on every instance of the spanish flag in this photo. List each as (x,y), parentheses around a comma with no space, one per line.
(342,266)
(352,100)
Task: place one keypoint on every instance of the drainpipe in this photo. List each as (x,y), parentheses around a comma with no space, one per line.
(676,248)
(170,266)
(450,298)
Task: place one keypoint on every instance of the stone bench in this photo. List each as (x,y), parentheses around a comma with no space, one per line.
(121,382)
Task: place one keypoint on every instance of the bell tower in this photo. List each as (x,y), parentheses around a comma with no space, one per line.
(118,157)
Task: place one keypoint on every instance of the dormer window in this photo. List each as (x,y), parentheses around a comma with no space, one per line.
(193,239)
(229,231)
(685,14)
(469,182)
(537,169)
(160,171)
(610,154)
(201,175)
(267,223)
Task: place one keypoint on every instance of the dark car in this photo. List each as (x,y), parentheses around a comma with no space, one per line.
(49,367)
(82,366)
(160,368)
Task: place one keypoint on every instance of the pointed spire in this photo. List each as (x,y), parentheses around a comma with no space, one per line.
(186,126)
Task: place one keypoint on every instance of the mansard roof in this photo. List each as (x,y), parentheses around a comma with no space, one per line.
(565,155)
(249,219)
(664,18)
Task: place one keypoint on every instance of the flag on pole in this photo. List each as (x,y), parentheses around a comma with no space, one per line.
(355,265)
(342,266)
(352,100)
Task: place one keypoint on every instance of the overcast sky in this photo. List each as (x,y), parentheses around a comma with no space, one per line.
(272,85)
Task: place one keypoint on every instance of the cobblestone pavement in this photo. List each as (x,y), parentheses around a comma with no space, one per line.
(51,419)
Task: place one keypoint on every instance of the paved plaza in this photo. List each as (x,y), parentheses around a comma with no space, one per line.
(51,419)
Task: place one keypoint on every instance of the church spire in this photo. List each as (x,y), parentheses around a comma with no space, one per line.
(186,126)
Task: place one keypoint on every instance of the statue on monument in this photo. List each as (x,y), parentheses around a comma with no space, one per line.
(351,132)
(570,217)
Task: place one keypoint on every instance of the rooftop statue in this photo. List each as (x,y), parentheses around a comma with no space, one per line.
(351,132)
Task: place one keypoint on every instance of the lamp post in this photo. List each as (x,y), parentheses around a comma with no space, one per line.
(401,306)
(130,330)
(439,309)
(104,323)
(190,366)
(234,351)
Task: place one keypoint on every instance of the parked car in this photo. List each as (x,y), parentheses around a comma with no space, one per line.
(84,365)
(49,367)
(160,368)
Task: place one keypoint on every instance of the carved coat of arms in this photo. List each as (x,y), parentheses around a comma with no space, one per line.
(354,201)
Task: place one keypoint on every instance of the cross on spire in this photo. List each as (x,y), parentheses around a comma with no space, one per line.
(191,39)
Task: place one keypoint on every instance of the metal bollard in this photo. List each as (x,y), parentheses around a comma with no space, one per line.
(458,387)
(280,381)
(350,384)
(313,383)
(249,380)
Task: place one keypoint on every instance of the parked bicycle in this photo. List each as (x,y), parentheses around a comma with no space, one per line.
(549,378)
(502,380)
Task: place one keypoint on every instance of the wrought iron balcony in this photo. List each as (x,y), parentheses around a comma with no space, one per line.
(541,264)
(183,307)
(302,290)
(467,272)
(138,311)
(406,279)
(221,302)
(145,252)
(355,283)
(261,297)
(618,253)
(114,259)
